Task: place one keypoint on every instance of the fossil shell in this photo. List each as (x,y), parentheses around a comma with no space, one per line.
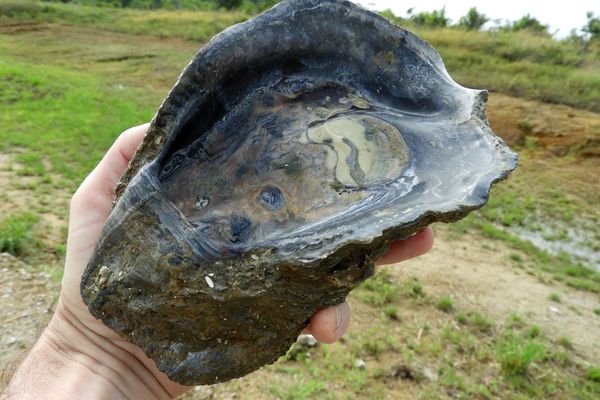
(293,150)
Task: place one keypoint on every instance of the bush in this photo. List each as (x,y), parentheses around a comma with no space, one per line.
(473,21)
(529,23)
(18,8)
(592,26)
(435,18)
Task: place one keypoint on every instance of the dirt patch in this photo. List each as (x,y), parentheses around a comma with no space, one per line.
(27,299)
(23,193)
(557,128)
(479,275)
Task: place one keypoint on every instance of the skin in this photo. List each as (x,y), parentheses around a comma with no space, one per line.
(77,356)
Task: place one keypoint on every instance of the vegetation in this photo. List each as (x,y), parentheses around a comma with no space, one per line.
(554,297)
(476,359)
(435,18)
(60,114)
(592,26)
(445,304)
(528,23)
(192,5)
(16,233)
(473,21)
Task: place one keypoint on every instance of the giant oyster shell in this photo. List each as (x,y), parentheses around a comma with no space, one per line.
(293,150)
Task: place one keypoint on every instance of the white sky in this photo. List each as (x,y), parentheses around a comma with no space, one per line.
(562,16)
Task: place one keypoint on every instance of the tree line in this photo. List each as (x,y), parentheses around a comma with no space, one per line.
(475,20)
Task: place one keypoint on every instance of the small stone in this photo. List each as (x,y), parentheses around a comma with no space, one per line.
(10,340)
(306,341)
(554,310)
(360,363)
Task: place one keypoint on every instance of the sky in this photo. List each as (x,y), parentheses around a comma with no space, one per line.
(562,16)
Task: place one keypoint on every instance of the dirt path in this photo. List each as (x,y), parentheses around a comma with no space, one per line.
(27,299)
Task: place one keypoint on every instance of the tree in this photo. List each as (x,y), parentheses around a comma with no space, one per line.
(473,21)
(592,26)
(529,23)
(435,18)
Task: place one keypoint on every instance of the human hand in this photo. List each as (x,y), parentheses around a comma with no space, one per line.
(118,361)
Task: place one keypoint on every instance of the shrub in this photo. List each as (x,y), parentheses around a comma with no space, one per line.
(473,21)
(435,18)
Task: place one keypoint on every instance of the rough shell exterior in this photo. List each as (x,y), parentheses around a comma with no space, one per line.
(294,148)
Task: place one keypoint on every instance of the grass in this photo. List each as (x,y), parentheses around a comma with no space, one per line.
(300,389)
(435,359)
(445,304)
(593,374)
(565,342)
(517,63)
(526,203)
(16,233)
(192,25)
(515,355)
(521,64)
(554,297)
(533,332)
(66,119)
(380,290)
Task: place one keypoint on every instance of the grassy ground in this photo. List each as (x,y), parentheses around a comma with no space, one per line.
(519,63)
(537,203)
(72,78)
(426,347)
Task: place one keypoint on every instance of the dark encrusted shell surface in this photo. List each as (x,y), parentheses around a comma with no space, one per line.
(293,150)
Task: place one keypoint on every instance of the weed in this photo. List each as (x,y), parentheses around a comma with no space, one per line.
(414,289)
(533,332)
(380,289)
(481,323)
(445,304)
(565,342)
(554,297)
(461,318)
(515,321)
(515,355)
(516,257)
(593,374)
(16,232)
(391,312)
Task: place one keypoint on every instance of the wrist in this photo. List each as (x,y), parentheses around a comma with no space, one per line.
(72,361)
